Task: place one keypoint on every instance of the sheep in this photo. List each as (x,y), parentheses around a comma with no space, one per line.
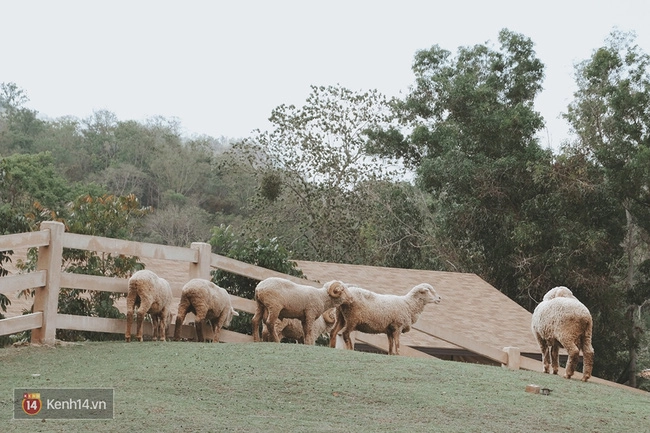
(208,302)
(562,320)
(278,298)
(150,294)
(291,329)
(374,313)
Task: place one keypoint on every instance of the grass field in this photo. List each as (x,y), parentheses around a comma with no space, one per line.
(266,387)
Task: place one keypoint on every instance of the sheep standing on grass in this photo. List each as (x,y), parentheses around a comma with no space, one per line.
(562,320)
(374,313)
(291,329)
(150,294)
(208,302)
(278,298)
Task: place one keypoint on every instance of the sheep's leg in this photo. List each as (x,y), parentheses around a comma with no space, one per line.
(216,328)
(544,349)
(140,319)
(555,356)
(308,331)
(201,312)
(270,325)
(155,325)
(587,360)
(345,333)
(393,341)
(572,361)
(198,325)
(130,307)
(145,305)
(129,324)
(162,324)
(180,317)
(255,321)
(338,325)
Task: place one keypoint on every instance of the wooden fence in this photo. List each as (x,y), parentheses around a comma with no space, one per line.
(49,278)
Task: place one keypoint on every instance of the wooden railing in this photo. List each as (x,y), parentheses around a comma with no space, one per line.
(48,279)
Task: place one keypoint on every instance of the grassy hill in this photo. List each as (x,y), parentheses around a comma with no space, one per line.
(188,387)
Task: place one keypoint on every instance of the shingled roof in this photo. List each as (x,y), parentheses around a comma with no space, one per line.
(471,310)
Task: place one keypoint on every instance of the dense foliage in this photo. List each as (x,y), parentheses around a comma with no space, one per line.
(451,176)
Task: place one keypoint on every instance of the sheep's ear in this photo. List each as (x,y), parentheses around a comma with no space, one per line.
(234,312)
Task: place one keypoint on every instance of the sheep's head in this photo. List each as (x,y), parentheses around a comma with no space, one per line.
(427,293)
(558,292)
(338,292)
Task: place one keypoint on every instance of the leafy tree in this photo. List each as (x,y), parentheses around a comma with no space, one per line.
(309,166)
(611,119)
(472,140)
(19,126)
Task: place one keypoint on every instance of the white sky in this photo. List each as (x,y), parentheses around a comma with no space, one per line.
(220,67)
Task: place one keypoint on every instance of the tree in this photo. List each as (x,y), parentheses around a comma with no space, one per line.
(611,120)
(309,167)
(471,137)
(19,126)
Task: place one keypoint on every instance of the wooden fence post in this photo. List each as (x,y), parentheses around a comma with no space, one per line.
(201,269)
(514,358)
(46,298)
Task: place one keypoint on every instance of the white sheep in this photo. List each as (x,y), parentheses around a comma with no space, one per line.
(208,302)
(278,298)
(375,313)
(562,320)
(291,329)
(151,295)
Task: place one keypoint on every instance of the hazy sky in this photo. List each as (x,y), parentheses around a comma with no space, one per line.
(221,67)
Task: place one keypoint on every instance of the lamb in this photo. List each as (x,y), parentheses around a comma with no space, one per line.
(562,320)
(375,313)
(278,298)
(291,329)
(208,302)
(150,294)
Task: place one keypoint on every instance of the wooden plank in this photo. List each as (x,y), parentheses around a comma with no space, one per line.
(94,282)
(24,240)
(256,272)
(129,248)
(24,281)
(21,323)
(460,340)
(118,326)
(243,304)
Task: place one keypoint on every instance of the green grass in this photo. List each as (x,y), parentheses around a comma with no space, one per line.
(194,387)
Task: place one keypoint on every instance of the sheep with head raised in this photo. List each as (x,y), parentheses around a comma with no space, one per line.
(375,313)
(279,298)
(291,329)
(562,320)
(208,302)
(152,295)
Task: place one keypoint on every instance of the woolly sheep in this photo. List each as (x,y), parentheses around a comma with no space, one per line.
(278,298)
(208,302)
(375,313)
(562,320)
(291,329)
(150,294)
